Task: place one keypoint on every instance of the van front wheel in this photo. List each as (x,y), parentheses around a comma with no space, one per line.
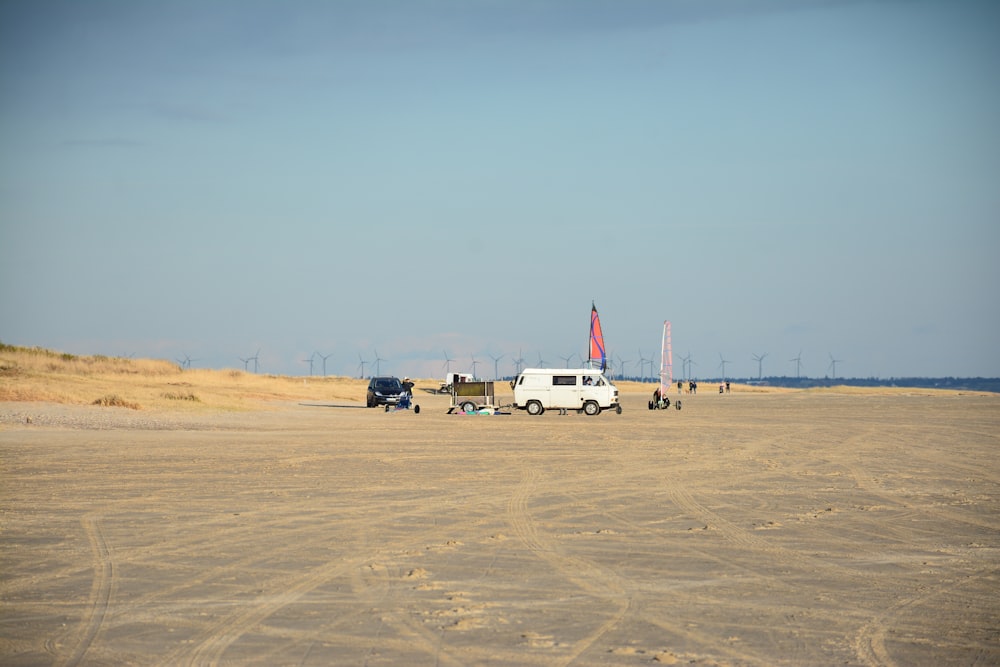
(591,408)
(534,408)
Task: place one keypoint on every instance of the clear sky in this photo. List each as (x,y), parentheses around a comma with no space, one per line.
(790,178)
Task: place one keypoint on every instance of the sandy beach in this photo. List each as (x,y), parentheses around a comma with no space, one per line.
(784,528)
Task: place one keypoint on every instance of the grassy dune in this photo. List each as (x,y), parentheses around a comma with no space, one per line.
(36,374)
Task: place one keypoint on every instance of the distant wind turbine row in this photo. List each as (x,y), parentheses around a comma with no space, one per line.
(615,362)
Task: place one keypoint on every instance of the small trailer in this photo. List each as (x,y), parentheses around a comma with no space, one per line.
(473,397)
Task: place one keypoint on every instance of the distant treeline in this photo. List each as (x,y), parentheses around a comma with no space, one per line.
(969,384)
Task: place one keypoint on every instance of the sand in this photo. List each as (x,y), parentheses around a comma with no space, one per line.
(796,528)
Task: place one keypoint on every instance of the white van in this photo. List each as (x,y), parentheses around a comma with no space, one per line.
(539,389)
(452,379)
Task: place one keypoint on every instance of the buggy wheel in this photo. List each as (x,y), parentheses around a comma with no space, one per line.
(618,410)
(534,408)
(591,408)
(468,406)
(416,409)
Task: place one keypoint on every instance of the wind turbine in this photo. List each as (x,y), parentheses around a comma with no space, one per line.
(642,366)
(310,360)
(474,363)
(722,364)
(186,362)
(798,364)
(255,357)
(759,358)
(566,359)
(246,362)
(447,363)
(833,365)
(685,369)
(519,362)
(378,363)
(496,371)
(621,366)
(362,365)
(324,357)
(541,362)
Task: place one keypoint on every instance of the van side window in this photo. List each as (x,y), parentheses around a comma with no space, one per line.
(563,380)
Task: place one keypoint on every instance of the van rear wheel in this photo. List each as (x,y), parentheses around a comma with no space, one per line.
(534,408)
(591,408)
(468,406)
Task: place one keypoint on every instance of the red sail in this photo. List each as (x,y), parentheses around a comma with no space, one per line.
(596,339)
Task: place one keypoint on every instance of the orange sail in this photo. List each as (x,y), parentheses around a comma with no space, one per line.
(596,339)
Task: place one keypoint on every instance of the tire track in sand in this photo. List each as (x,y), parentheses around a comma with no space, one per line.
(754,544)
(869,643)
(214,641)
(101,591)
(587,575)
(868,482)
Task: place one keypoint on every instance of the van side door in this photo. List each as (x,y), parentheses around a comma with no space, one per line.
(566,391)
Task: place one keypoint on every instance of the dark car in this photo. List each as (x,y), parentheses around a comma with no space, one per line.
(384,390)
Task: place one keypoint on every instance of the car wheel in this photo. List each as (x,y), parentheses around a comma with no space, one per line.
(535,408)
(591,408)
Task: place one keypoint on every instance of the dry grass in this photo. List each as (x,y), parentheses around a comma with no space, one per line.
(36,374)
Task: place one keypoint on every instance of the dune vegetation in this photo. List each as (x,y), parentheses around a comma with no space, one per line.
(38,374)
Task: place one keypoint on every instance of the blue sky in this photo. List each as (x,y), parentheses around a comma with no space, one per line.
(779,177)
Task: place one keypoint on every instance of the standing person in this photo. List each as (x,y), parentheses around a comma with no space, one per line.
(407,386)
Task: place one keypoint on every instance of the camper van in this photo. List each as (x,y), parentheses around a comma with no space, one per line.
(539,389)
